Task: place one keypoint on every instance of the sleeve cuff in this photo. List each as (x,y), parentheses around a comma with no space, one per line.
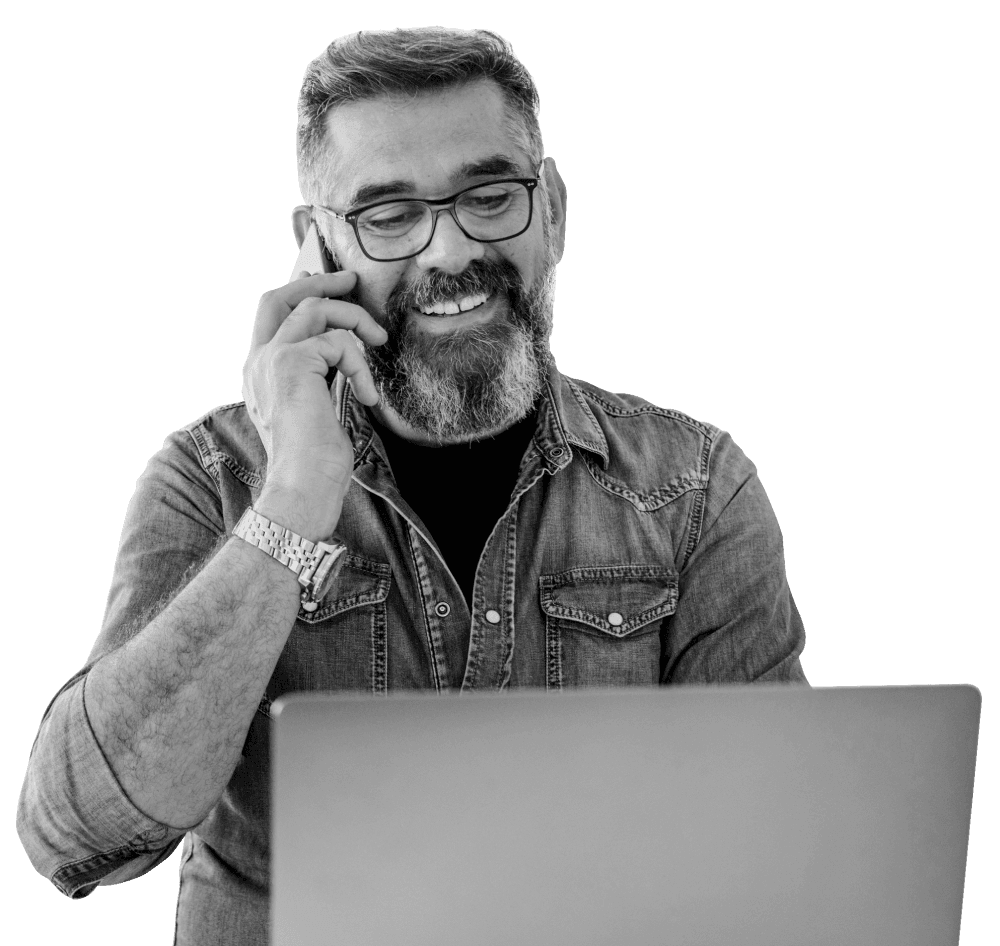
(76,822)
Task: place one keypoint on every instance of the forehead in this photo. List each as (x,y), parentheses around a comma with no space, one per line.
(422,145)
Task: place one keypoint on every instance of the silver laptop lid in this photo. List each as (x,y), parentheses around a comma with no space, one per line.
(776,816)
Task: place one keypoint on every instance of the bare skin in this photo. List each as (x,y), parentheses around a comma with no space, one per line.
(171,708)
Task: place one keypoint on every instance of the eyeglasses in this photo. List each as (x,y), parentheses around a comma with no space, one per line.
(392,230)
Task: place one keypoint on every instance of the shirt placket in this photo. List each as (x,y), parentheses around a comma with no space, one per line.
(443,605)
(492,637)
(491,621)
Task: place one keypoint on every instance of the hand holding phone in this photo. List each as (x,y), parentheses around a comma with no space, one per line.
(303,331)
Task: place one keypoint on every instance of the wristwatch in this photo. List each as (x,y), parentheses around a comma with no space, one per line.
(315,564)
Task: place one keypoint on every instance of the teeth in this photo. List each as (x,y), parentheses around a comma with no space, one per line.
(454,306)
(470,302)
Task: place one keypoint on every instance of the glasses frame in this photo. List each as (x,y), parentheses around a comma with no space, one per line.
(437,207)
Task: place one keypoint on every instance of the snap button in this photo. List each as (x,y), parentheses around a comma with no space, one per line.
(556,452)
(443,609)
(493,616)
(615,619)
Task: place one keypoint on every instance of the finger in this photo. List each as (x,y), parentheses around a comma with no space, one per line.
(277,304)
(340,351)
(314,316)
(324,285)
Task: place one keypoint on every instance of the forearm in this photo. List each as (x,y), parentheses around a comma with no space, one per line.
(171,707)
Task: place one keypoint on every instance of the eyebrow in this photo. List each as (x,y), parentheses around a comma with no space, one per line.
(496,165)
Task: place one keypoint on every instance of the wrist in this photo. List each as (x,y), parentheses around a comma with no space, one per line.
(315,564)
(290,508)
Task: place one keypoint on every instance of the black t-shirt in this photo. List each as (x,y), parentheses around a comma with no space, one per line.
(459,491)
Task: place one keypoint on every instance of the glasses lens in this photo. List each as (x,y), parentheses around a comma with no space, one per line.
(393,230)
(495,211)
(403,228)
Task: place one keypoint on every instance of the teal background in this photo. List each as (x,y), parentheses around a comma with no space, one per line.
(822,284)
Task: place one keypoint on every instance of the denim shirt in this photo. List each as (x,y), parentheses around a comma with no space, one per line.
(638,549)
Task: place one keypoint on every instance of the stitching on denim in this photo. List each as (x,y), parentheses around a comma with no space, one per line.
(209,452)
(346,417)
(374,593)
(380,647)
(611,575)
(553,655)
(509,603)
(584,574)
(477,631)
(600,623)
(644,502)
(597,446)
(205,453)
(551,465)
(423,580)
(592,445)
(250,478)
(646,408)
(212,458)
(697,518)
(90,868)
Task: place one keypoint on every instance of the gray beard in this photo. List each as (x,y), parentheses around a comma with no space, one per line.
(473,382)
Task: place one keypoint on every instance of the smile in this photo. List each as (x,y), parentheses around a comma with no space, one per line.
(454,306)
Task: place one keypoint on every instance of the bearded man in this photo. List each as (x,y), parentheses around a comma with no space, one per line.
(452,514)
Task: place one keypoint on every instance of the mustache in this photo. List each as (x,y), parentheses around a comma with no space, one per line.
(481,276)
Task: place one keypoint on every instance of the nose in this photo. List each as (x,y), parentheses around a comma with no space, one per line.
(450,250)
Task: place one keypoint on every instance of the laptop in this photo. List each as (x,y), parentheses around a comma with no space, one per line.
(757,816)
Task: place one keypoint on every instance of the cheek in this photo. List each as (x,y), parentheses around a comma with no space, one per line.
(375,282)
(528,255)
(529,252)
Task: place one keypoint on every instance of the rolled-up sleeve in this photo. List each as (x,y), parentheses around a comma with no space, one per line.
(736,620)
(76,823)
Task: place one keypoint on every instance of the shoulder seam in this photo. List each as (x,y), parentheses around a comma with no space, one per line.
(207,456)
(211,457)
(591,394)
(697,519)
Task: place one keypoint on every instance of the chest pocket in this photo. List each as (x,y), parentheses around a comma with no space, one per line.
(343,644)
(601,624)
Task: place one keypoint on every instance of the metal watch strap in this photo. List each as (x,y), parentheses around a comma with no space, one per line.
(314,563)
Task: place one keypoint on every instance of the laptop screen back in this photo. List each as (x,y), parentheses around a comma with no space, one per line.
(720,815)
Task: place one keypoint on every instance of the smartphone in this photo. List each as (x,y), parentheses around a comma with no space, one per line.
(313,256)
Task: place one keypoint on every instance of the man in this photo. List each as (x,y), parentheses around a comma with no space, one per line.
(457,515)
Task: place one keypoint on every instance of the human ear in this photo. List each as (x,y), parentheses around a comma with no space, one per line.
(301,218)
(555,191)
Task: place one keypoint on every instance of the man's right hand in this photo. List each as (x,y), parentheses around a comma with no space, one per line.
(302,330)
(170,707)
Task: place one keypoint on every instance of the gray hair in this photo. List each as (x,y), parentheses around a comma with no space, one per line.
(406,62)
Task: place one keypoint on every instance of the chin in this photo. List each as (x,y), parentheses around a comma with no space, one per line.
(466,384)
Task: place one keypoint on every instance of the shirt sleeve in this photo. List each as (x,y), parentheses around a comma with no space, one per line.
(78,826)
(736,621)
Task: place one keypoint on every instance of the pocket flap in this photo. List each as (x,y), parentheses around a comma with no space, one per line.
(360,582)
(613,599)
